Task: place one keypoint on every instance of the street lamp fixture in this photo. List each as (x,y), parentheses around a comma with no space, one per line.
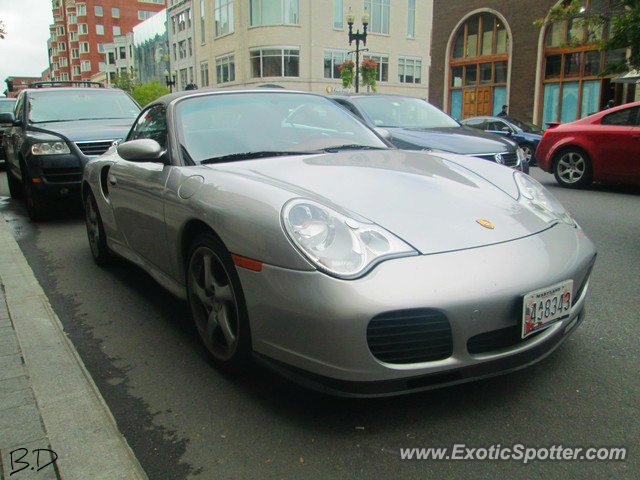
(171,82)
(358,37)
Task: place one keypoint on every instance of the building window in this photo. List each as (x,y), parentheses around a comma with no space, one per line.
(338,14)
(571,85)
(75,70)
(123,53)
(100,47)
(275,62)
(223,15)
(85,66)
(100,29)
(98,10)
(479,63)
(183,20)
(63,61)
(83,29)
(84,47)
(411,19)
(383,66)
(409,70)
(274,12)
(115,12)
(190,46)
(191,75)
(116,31)
(54,51)
(162,2)
(225,69)
(204,74)
(332,60)
(144,14)
(75,53)
(73,36)
(203,34)
(175,52)
(102,66)
(64,76)
(81,9)
(60,30)
(72,19)
(379,11)
(173,23)
(182,49)
(62,47)
(111,58)
(183,78)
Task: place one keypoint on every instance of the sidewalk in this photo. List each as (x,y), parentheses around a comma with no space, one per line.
(48,400)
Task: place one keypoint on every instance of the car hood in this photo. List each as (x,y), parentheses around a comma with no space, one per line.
(461,140)
(429,201)
(86,130)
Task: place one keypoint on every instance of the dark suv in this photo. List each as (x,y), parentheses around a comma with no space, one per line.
(56,130)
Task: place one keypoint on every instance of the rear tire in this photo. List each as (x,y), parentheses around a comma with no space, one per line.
(95,231)
(217,303)
(572,168)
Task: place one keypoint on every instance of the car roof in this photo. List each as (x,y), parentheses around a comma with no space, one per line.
(171,97)
(71,89)
(367,95)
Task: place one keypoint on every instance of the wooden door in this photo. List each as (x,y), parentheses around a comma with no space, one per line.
(468,103)
(483,101)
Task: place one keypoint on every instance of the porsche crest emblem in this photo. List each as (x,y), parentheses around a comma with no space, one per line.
(485,223)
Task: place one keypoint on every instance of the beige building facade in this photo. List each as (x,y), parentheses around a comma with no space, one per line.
(299,44)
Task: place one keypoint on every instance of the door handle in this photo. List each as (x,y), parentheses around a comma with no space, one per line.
(113,180)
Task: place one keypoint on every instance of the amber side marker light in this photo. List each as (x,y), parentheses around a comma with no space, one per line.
(36,180)
(247,263)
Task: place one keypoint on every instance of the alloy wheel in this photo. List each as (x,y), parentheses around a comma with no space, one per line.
(571,167)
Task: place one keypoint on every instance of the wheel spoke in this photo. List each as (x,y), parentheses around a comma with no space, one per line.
(223,321)
(208,277)
(212,324)
(223,293)
(202,295)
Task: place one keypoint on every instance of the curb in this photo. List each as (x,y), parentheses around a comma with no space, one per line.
(77,422)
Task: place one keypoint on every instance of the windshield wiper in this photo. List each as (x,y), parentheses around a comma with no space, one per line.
(352,146)
(251,155)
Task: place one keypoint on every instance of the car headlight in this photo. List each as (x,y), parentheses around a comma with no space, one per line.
(535,197)
(337,244)
(49,148)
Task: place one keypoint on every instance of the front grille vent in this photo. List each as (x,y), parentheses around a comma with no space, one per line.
(508,159)
(94,149)
(410,336)
(62,174)
(497,339)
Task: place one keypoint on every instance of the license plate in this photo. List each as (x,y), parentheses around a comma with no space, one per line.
(546,306)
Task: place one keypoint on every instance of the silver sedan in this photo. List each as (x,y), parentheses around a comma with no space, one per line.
(301,238)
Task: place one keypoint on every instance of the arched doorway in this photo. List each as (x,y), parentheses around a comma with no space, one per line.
(478,66)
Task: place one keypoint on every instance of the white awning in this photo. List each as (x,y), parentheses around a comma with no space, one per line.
(631,77)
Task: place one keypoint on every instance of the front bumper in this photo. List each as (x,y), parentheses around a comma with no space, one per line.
(59,176)
(314,327)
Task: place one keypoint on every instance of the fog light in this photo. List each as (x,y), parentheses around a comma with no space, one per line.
(64,191)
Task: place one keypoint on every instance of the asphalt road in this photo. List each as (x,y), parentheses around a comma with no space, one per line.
(185,420)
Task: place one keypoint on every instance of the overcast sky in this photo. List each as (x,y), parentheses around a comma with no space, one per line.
(23,52)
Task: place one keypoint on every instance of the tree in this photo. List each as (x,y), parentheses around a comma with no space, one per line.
(144,94)
(621,18)
(3,32)
(125,82)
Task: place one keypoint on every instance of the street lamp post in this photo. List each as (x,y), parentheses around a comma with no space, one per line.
(358,37)
(170,83)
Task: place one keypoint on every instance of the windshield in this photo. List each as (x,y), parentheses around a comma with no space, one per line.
(526,126)
(237,124)
(404,112)
(6,106)
(85,104)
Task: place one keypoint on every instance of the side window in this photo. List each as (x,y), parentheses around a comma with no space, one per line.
(151,124)
(480,123)
(495,125)
(18,112)
(349,107)
(628,116)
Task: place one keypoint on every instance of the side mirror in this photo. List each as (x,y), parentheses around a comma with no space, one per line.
(7,118)
(384,133)
(142,150)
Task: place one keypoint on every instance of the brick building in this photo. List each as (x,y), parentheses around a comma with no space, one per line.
(486,53)
(81,28)
(16,84)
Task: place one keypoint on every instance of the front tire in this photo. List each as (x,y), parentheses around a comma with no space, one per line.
(95,231)
(217,303)
(36,207)
(528,150)
(572,168)
(15,188)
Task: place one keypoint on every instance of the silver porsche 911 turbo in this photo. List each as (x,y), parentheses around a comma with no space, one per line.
(301,238)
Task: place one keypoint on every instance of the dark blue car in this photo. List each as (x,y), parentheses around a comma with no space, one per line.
(525,134)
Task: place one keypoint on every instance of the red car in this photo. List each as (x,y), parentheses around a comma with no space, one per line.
(603,147)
